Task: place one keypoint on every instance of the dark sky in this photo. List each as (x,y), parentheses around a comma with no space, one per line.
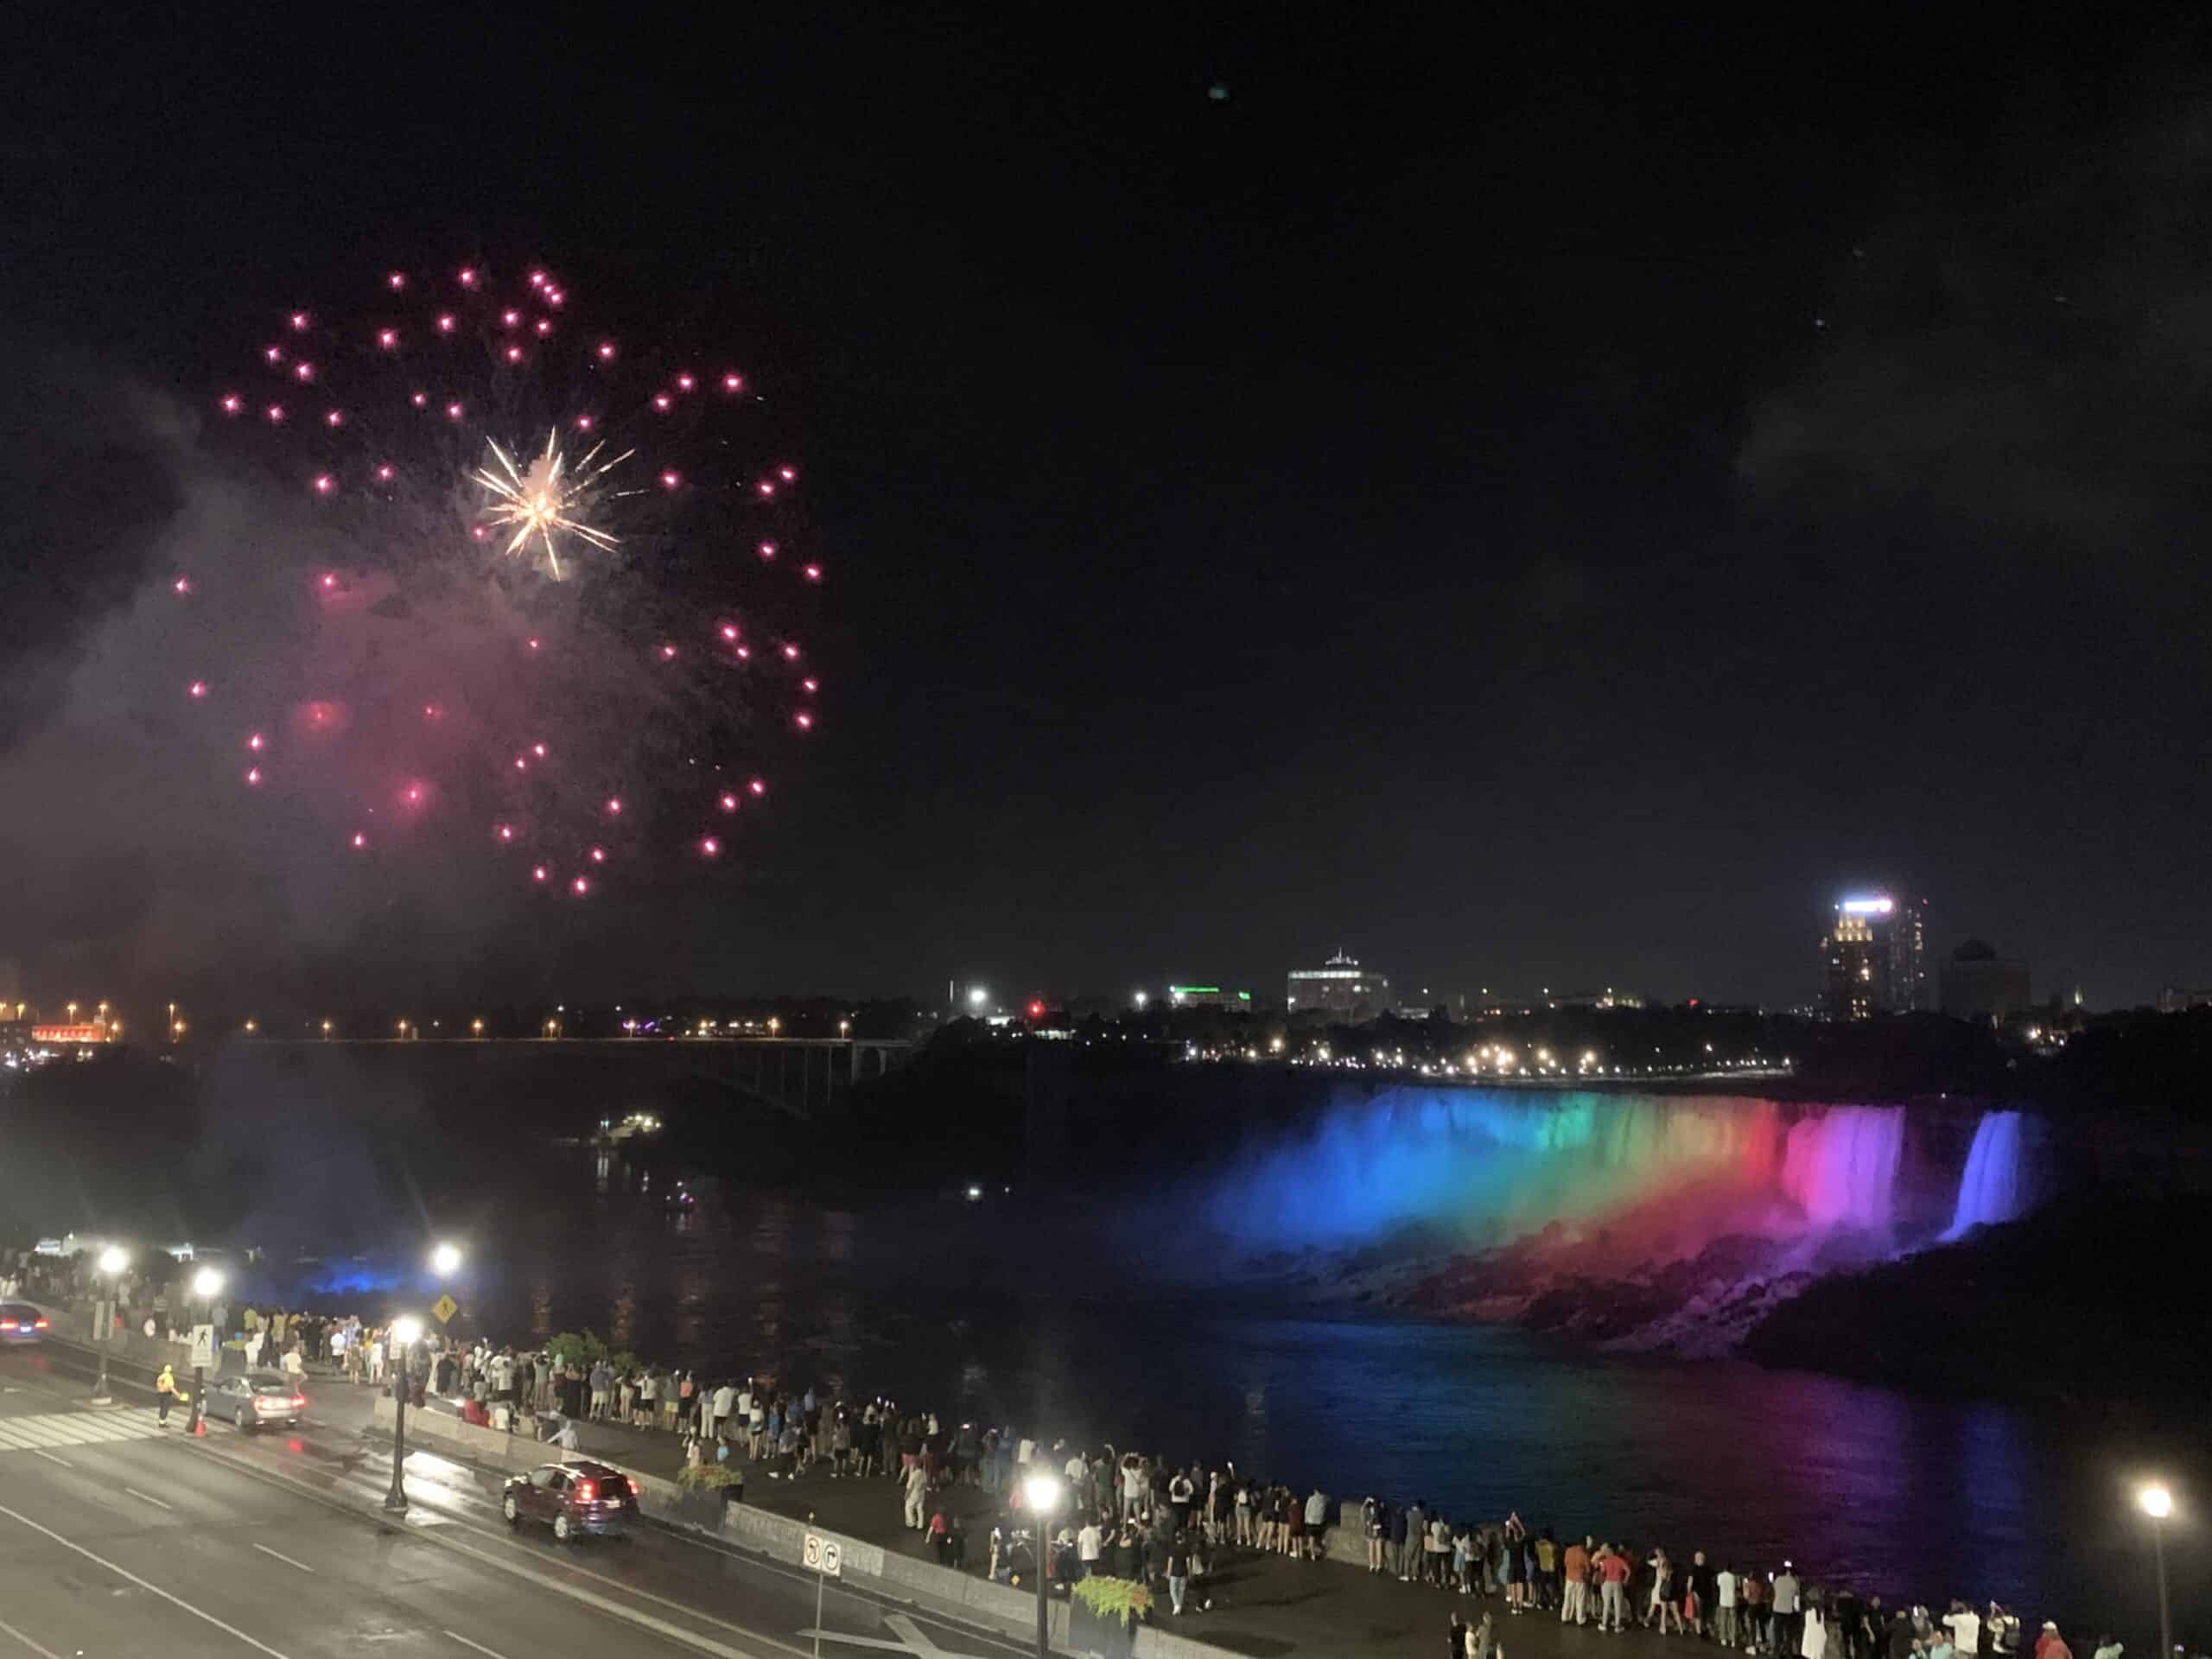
(1534,503)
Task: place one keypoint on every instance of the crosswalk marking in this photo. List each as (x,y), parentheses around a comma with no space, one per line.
(56,1428)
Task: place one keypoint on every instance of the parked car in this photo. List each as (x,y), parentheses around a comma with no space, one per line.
(20,1322)
(573,1498)
(254,1401)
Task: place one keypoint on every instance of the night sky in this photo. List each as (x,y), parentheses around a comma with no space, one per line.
(1532,504)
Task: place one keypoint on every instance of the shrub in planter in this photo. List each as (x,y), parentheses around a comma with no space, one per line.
(1122,1599)
(706,1487)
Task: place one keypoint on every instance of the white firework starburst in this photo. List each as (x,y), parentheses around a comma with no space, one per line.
(548,499)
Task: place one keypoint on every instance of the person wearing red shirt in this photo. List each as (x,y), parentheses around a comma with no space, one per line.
(1614,1568)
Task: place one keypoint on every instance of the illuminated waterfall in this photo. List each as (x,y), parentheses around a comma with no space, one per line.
(1491,1165)
(1993,1187)
(1841,1165)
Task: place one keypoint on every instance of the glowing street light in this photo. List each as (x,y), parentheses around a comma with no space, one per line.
(1042,1493)
(2158,1503)
(445,1260)
(112,1261)
(405,1331)
(977,996)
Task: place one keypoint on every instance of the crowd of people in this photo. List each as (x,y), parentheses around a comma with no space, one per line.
(1122,1513)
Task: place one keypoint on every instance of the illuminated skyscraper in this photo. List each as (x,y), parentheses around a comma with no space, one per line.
(1873,957)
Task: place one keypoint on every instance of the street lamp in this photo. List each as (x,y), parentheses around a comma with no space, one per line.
(977,996)
(445,1260)
(1042,1492)
(406,1330)
(206,1285)
(2158,1503)
(113,1260)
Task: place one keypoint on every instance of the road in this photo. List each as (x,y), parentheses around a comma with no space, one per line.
(118,1537)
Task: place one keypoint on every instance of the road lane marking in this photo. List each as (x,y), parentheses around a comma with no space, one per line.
(126,1574)
(110,1429)
(73,1428)
(250,1470)
(50,1457)
(478,1646)
(43,1653)
(283,1557)
(156,1502)
(911,1639)
(31,1431)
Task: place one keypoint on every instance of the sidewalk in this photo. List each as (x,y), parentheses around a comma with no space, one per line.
(1264,1606)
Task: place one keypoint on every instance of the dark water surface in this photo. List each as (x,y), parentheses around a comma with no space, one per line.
(984,1313)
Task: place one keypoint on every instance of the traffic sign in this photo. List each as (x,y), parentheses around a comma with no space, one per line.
(825,1555)
(203,1347)
(444,1308)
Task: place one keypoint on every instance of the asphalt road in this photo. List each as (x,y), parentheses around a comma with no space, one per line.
(120,1538)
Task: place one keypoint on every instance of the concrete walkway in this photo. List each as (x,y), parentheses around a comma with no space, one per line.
(1266,1606)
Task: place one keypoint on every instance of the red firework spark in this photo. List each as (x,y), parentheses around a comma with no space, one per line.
(612,535)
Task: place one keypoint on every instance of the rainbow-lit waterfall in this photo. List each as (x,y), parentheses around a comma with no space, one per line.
(1659,1172)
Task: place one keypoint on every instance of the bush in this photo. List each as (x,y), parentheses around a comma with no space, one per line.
(1110,1598)
(707,1476)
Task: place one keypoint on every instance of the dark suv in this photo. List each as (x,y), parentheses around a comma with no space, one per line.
(574,1497)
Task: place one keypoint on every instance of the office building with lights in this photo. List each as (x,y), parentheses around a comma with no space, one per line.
(1873,957)
(1338,986)
(1209,997)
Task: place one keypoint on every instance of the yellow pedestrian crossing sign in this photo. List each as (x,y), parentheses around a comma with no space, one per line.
(444,1308)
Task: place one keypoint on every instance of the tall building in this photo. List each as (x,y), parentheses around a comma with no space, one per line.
(1977,985)
(1339,986)
(1873,957)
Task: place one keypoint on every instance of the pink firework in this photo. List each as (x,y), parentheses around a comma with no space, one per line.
(507,515)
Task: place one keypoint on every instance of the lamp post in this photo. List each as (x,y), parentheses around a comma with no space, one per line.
(113,1260)
(206,1285)
(445,1259)
(1043,1493)
(2158,1503)
(405,1331)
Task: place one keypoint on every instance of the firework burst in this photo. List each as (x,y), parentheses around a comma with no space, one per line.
(573,653)
(548,498)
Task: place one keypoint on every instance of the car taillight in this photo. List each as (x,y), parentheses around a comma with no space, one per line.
(299,1400)
(7,1324)
(39,1324)
(587,1491)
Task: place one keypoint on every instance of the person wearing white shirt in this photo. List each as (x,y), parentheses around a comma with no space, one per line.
(1087,1546)
(1724,1612)
(725,1403)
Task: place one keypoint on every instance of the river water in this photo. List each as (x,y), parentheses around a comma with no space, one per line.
(986,1314)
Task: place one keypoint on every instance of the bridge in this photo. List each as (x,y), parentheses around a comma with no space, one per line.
(799,1077)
